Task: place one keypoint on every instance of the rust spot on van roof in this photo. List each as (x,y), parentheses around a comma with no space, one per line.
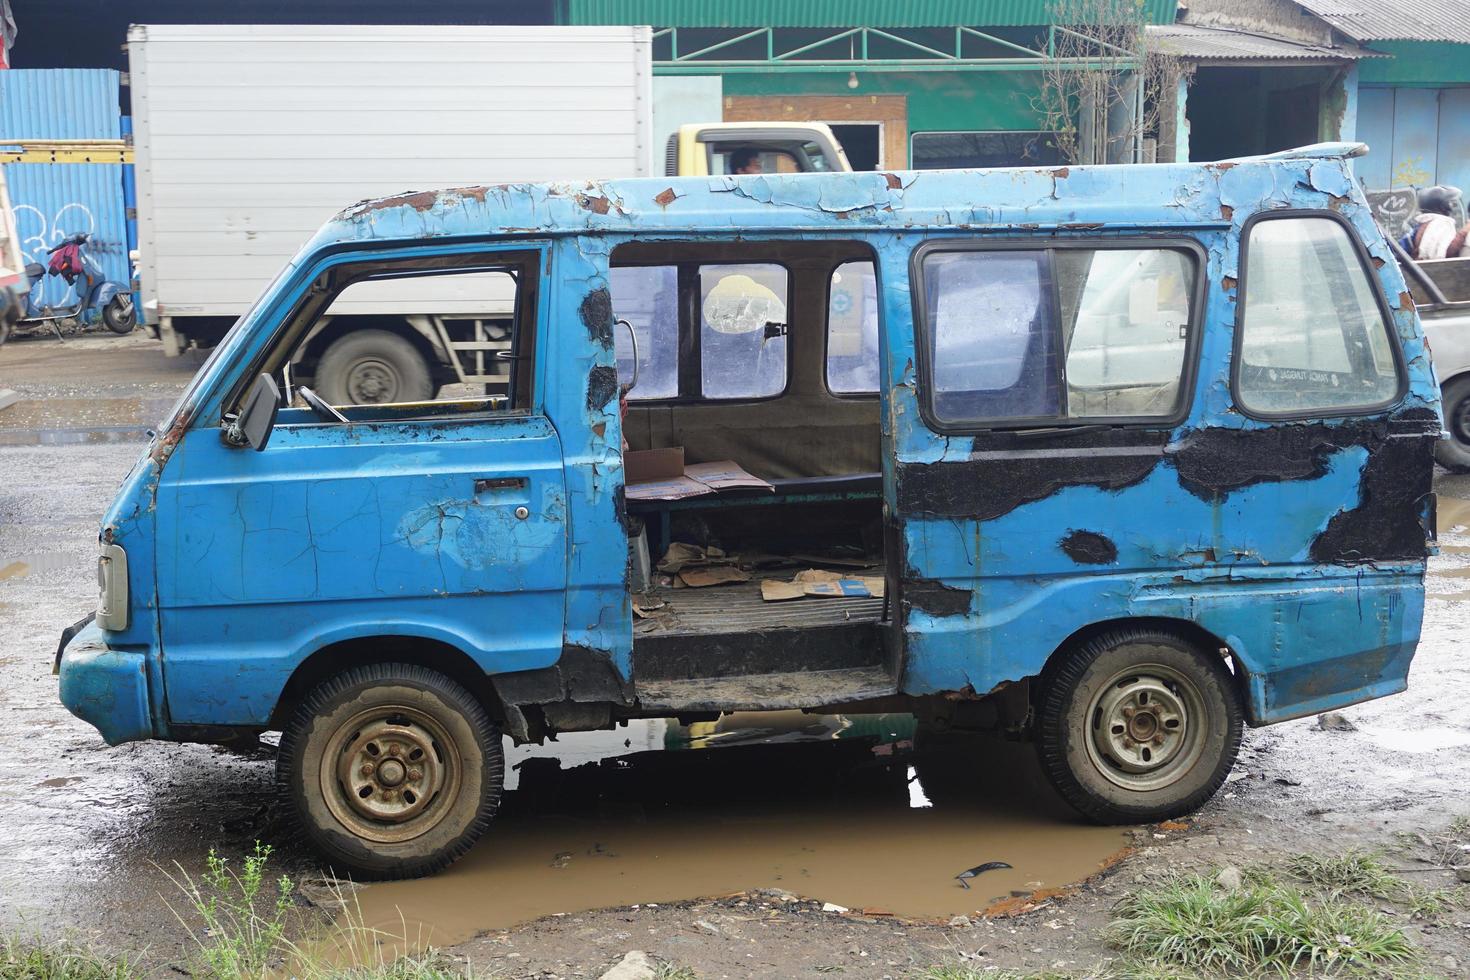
(597,205)
(665,197)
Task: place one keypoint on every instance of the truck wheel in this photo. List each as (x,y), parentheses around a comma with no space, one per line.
(119,314)
(373,367)
(1454,453)
(392,770)
(1137,726)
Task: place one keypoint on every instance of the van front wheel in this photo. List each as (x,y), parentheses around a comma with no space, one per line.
(393,770)
(1138,726)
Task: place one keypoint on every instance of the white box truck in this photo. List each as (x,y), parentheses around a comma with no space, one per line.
(248,137)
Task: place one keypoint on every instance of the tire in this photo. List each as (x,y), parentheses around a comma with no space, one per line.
(366,817)
(120,315)
(1173,768)
(1454,453)
(373,367)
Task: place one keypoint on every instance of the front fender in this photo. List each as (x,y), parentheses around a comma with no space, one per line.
(102,294)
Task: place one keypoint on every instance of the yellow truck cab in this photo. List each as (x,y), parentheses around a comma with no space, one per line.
(703,149)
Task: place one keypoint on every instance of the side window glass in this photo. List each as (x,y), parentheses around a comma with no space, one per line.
(397,333)
(1064,334)
(992,352)
(852,330)
(648,298)
(1313,336)
(742,330)
(1125,321)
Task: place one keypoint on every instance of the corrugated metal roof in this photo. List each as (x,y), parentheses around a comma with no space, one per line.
(59,104)
(829,13)
(1396,20)
(1214,44)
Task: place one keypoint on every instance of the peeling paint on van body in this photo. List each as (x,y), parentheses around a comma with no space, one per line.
(1298,547)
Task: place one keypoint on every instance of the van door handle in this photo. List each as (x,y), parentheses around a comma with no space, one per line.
(488,483)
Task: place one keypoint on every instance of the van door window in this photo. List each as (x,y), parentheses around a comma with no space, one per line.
(852,330)
(647,296)
(1059,334)
(413,332)
(1314,337)
(742,332)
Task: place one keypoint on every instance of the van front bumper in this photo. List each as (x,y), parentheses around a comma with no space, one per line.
(106,688)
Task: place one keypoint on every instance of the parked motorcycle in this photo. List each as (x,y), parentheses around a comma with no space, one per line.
(98,299)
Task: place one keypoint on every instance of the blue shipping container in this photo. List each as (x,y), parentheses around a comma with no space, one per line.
(53,200)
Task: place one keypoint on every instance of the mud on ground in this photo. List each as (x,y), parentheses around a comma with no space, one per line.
(654,823)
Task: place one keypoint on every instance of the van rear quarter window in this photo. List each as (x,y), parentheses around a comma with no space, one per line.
(1314,337)
(1056,334)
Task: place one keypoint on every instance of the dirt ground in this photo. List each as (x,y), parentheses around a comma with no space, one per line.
(716,860)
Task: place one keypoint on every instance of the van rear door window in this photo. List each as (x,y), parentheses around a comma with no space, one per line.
(742,330)
(1056,334)
(852,330)
(1314,338)
(647,298)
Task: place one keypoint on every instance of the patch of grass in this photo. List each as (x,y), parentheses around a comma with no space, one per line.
(1352,873)
(424,966)
(27,960)
(668,971)
(1189,922)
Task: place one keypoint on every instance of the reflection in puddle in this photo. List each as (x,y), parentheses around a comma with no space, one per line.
(838,808)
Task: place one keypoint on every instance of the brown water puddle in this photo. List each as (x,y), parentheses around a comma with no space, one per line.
(21,567)
(841,809)
(1452,512)
(65,421)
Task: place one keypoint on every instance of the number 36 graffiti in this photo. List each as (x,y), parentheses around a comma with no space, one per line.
(37,233)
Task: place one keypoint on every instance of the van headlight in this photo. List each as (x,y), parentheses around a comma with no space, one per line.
(112,586)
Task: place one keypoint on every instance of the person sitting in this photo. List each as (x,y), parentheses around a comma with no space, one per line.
(1434,233)
(746,161)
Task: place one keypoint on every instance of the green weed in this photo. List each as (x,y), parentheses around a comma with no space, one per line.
(1189,922)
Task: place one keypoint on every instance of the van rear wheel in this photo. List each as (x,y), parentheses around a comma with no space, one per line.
(1137,726)
(392,770)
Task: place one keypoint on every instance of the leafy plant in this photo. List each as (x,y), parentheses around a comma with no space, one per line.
(245,917)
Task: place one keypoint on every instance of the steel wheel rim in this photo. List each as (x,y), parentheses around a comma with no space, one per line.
(371,381)
(390,773)
(1146,727)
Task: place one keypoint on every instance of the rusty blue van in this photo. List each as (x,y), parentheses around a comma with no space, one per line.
(1121,459)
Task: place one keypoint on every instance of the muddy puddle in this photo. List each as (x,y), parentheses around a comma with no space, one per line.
(80,421)
(845,809)
(12,568)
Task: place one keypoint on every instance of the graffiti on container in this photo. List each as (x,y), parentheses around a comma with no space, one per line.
(38,234)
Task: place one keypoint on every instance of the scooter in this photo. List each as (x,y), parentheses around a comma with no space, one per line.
(98,299)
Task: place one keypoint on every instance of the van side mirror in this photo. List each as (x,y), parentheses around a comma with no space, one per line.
(257,418)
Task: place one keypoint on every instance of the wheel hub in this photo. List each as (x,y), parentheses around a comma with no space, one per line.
(371,381)
(389,770)
(1146,728)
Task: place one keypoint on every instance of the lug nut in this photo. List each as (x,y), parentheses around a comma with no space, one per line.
(1159,739)
(394,750)
(367,769)
(415,774)
(1127,712)
(387,794)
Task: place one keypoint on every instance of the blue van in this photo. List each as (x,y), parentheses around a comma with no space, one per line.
(1121,458)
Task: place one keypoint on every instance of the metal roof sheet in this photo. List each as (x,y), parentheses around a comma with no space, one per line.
(1216,44)
(1396,20)
(59,104)
(829,13)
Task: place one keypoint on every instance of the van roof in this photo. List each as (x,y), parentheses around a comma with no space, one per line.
(1135,196)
